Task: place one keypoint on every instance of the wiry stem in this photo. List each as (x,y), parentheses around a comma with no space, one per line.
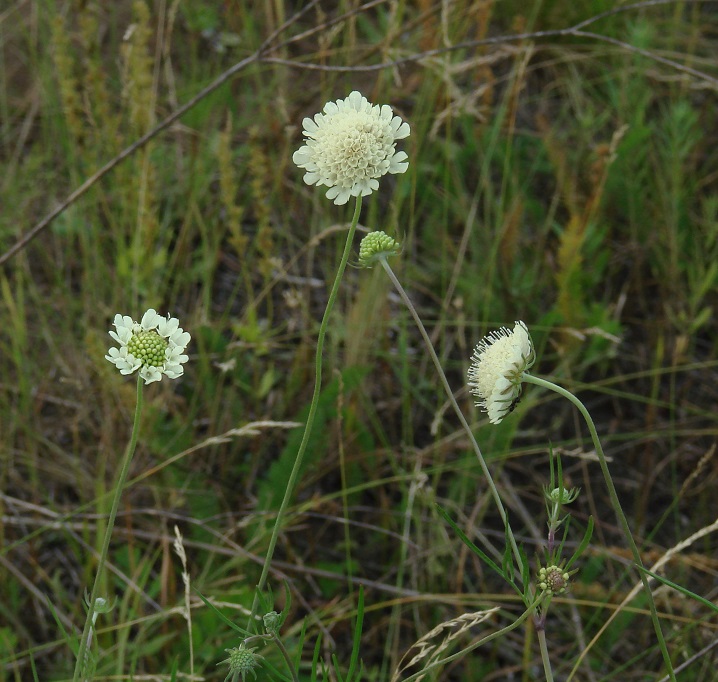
(623,522)
(529,591)
(310,417)
(541,633)
(82,654)
(455,405)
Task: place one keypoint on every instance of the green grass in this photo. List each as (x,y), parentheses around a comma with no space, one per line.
(564,181)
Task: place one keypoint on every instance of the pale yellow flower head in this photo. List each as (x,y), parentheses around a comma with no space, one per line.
(155,346)
(497,367)
(350,146)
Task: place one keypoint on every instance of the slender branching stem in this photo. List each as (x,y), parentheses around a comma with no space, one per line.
(455,405)
(310,417)
(83,653)
(529,591)
(530,379)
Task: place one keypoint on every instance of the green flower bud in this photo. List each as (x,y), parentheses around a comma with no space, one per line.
(242,660)
(376,245)
(271,622)
(565,496)
(553,579)
(102,605)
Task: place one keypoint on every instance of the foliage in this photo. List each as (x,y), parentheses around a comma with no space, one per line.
(561,179)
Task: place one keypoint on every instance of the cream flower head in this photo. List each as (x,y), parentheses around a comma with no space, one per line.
(155,346)
(496,370)
(350,146)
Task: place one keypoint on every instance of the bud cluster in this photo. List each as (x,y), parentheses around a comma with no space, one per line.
(553,579)
(376,245)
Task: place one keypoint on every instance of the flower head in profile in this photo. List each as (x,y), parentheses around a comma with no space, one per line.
(154,346)
(350,146)
(497,368)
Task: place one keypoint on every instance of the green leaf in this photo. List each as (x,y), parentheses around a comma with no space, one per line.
(72,642)
(479,553)
(584,543)
(680,588)
(335,661)
(357,635)
(300,647)
(315,659)
(222,617)
(507,562)
(525,572)
(287,604)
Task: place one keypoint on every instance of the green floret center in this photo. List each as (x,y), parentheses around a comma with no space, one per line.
(149,347)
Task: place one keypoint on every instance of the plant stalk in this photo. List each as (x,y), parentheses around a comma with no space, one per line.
(83,652)
(623,522)
(457,409)
(541,634)
(310,417)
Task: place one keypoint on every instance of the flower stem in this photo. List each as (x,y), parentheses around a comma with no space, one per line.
(310,417)
(529,596)
(286,656)
(457,409)
(82,654)
(530,379)
(541,633)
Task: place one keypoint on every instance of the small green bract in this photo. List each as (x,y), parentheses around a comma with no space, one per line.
(559,496)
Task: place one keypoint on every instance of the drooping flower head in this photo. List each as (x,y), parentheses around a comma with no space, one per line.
(496,370)
(350,146)
(155,346)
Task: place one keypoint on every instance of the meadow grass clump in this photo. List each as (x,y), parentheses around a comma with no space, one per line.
(560,171)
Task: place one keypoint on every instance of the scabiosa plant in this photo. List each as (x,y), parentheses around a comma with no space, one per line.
(347,148)
(155,346)
(350,146)
(497,368)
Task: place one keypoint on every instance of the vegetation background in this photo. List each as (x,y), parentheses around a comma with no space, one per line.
(564,179)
